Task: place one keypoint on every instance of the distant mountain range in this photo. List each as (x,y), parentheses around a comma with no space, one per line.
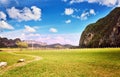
(4,42)
(30,42)
(38,44)
(57,45)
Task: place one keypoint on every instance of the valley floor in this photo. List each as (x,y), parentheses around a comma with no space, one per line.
(102,62)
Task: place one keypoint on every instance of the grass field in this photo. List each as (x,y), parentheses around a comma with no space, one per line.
(64,63)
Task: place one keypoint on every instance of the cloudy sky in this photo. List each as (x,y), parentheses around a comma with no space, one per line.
(51,21)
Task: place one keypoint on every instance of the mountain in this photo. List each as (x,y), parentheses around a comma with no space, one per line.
(104,33)
(56,46)
(4,42)
(59,46)
(36,44)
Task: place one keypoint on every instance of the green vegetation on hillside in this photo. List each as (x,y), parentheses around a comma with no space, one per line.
(104,33)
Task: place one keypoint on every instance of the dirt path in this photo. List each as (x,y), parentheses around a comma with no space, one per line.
(36,58)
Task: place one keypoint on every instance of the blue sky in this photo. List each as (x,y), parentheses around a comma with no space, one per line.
(51,21)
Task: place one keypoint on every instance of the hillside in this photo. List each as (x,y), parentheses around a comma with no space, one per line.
(5,42)
(104,33)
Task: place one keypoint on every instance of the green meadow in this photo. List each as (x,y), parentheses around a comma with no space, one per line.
(102,62)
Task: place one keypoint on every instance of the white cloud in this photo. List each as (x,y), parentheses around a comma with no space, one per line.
(76,1)
(108,3)
(69,11)
(29,29)
(68,21)
(2,16)
(22,34)
(84,15)
(26,14)
(92,11)
(5,25)
(53,30)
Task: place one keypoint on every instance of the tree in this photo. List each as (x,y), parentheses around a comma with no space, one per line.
(21,44)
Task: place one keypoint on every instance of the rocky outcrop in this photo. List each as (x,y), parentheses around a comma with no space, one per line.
(104,33)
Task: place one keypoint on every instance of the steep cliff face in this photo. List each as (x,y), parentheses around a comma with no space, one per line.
(104,33)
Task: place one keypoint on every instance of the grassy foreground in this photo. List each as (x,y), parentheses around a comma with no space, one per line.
(66,63)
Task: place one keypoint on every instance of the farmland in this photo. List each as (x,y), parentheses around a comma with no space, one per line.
(104,62)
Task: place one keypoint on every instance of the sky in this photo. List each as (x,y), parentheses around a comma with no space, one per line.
(51,21)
